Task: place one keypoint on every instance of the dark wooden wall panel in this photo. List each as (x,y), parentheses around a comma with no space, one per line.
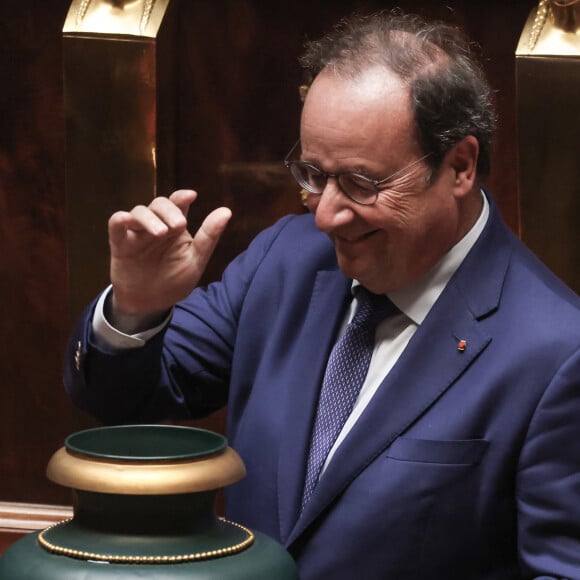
(237,113)
(34,412)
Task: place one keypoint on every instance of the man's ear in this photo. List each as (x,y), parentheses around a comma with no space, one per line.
(462,159)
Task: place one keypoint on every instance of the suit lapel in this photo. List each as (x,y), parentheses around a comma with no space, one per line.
(331,294)
(431,363)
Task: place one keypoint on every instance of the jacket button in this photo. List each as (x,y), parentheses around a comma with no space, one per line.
(78,355)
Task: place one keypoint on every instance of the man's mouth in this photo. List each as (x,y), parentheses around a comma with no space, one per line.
(353,240)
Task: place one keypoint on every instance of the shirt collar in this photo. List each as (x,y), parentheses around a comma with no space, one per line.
(416,299)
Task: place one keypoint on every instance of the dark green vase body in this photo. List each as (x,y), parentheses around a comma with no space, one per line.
(137,524)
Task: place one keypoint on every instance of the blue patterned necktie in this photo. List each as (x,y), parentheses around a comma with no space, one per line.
(346,371)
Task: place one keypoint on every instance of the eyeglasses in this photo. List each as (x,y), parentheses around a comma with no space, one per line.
(357,187)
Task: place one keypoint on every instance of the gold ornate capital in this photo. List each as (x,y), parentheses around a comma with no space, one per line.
(124,17)
(553,28)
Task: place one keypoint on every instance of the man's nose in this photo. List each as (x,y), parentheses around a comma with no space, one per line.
(332,207)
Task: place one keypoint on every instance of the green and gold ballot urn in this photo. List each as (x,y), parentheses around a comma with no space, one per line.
(143,498)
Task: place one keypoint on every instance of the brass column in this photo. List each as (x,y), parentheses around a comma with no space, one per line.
(548,103)
(119,106)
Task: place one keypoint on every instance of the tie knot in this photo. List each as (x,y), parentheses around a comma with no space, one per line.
(372,308)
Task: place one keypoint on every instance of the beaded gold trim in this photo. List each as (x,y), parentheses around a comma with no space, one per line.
(147,9)
(539,22)
(180,558)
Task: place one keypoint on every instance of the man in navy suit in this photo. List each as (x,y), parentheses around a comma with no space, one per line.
(460,458)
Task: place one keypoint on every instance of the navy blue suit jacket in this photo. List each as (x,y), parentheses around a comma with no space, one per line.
(465,465)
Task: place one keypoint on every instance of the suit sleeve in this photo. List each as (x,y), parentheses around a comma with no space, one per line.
(548,483)
(183,372)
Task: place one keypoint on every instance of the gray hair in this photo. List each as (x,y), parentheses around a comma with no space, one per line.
(450,95)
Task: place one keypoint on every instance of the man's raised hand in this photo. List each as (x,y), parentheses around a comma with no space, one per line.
(155,262)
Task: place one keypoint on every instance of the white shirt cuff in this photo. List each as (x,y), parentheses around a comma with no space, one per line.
(107,336)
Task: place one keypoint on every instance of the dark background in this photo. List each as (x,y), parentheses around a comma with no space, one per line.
(237,105)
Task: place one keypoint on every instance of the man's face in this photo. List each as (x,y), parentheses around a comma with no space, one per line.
(365,125)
